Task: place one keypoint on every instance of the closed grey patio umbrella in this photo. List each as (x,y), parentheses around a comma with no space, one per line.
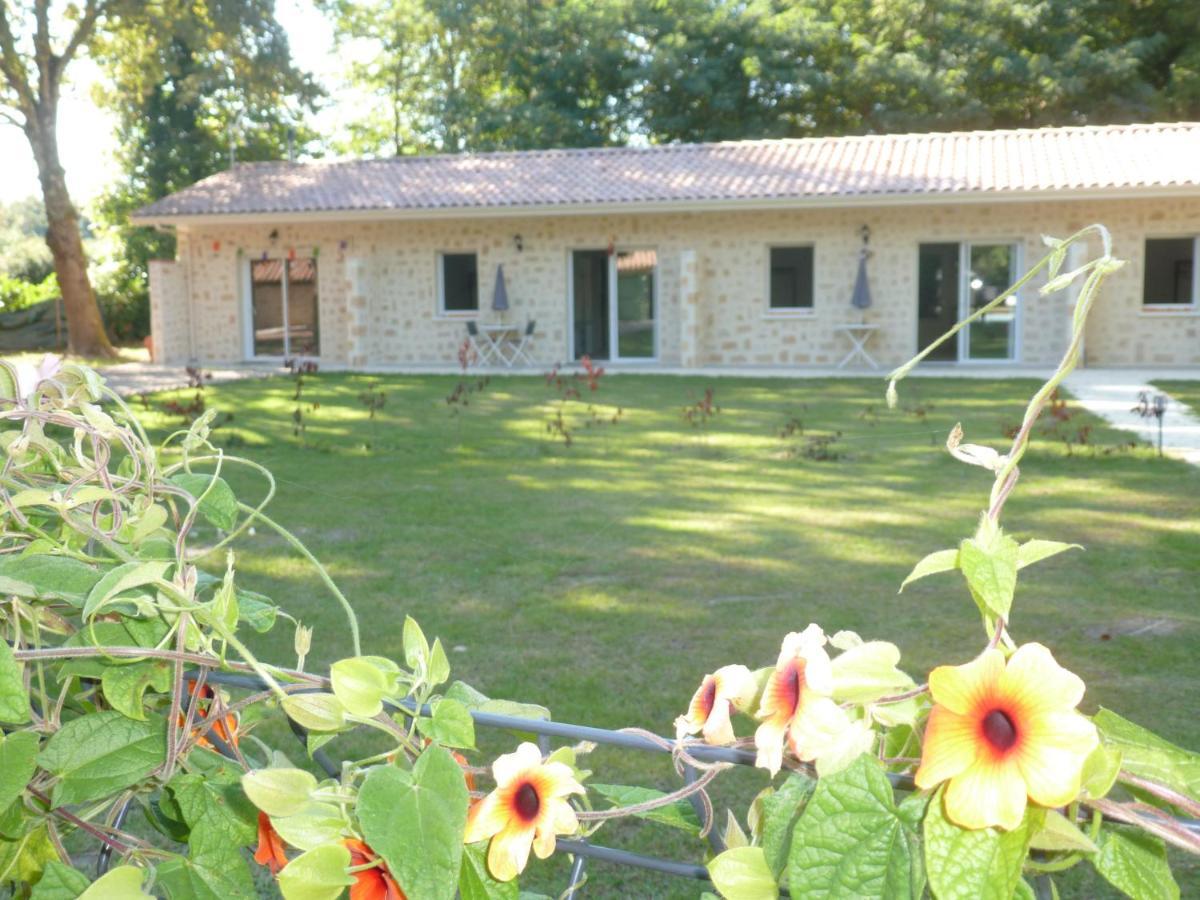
(500,294)
(861,298)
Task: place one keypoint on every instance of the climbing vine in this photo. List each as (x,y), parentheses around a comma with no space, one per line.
(134,760)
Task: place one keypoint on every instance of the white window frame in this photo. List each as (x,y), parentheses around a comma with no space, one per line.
(613,316)
(790,312)
(1016,266)
(440,264)
(1166,309)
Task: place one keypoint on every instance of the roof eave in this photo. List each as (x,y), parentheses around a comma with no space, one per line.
(925,198)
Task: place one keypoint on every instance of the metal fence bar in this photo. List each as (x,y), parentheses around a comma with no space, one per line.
(626,858)
(578,876)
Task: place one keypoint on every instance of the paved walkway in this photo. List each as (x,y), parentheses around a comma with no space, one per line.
(1112,394)
(135,377)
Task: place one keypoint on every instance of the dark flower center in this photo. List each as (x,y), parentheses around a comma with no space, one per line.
(709,697)
(999,729)
(527,802)
(793,684)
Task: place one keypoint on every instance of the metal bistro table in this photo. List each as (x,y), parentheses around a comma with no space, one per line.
(858,333)
(501,342)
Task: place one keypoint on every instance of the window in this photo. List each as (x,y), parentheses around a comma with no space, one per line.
(458,283)
(1170,272)
(791,278)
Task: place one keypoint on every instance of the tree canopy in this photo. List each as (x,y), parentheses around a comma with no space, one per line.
(454,75)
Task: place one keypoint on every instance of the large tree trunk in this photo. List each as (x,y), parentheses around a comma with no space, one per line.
(85,327)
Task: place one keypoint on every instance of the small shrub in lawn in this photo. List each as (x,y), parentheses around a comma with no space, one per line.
(818,446)
(460,398)
(569,388)
(703,410)
(300,368)
(822,447)
(1062,425)
(373,400)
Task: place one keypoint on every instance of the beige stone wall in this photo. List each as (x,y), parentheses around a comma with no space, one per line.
(378,300)
(168,311)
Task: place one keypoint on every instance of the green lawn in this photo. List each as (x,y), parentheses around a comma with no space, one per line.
(1184,391)
(604,579)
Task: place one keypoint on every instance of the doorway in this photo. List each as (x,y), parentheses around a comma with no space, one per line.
(614,304)
(955,280)
(589,292)
(284,308)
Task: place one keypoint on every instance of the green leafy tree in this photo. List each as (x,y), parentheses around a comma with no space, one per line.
(730,70)
(486,74)
(23,251)
(712,70)
(33,61)
(499,74)
(186,81)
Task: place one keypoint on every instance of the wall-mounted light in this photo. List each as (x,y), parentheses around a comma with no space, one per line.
(274,235)
(518,242)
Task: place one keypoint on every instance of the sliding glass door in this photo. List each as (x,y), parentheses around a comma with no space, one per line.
(284,308)
(614,304)
(938,284)
(956,280)
(993,267)
(589,299)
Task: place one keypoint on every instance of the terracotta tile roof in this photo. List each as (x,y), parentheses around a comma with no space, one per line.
(1087,158)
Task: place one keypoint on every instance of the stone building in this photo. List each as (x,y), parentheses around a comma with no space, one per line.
(737,254)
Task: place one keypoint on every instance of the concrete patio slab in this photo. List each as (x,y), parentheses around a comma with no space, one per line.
(1113,395)
(132,378)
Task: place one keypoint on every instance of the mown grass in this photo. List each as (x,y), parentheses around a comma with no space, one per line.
(1183,391)
(605,578)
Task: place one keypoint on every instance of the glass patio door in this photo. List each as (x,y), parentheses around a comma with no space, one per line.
(991,269)
(589,299)
(284,308)
(635,307)
(614,304)
(955,280)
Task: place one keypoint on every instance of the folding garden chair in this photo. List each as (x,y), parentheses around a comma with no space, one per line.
(484,348)
(521,351)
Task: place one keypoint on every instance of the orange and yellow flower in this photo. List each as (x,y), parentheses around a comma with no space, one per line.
(728,688)
(528,808)
(225,729)
(468,775)
(1003,734)
(270,851)
(375,883)
(800,687)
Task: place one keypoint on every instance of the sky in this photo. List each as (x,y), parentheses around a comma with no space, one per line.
(85,132)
